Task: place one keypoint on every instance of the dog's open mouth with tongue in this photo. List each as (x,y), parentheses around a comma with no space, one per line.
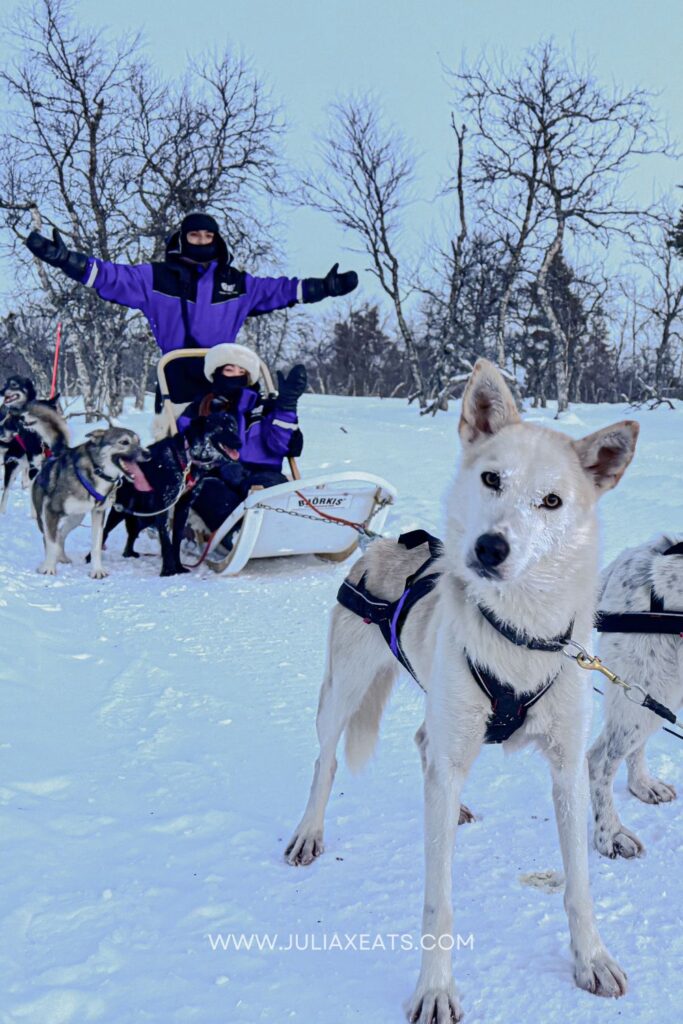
(130,465)
(232,453)
(135,475)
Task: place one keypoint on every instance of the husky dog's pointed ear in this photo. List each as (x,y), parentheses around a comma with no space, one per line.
(606,454)
(96,435)
(487,404)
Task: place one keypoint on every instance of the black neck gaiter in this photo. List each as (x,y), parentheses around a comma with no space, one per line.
(199,253)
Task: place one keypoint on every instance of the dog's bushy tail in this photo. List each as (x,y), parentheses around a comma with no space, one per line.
(363,727)
(50,425)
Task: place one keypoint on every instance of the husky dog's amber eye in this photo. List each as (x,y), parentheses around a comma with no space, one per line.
(490,479)
(551,501)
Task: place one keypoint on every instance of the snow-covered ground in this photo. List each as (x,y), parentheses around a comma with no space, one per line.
(156,749)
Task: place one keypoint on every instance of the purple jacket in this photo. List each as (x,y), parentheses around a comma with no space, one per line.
(189,305)
(266,440)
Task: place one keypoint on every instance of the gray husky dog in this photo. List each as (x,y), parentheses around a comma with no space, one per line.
(654,662)
(77,481)
(520,550)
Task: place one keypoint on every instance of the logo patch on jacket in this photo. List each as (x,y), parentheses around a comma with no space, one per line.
(228,284)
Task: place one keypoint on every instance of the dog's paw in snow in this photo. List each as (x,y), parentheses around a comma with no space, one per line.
(98,574)
(47,569)
(601,975)
(434,1006)
(620,842)
(304,847)
(652,791)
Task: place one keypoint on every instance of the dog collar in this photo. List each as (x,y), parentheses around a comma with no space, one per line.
(90,488)
(99,498)
(522,639)
(105,476)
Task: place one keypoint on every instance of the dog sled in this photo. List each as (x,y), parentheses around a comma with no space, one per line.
(325,515)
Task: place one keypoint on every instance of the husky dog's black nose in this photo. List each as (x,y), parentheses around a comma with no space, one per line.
(491,549)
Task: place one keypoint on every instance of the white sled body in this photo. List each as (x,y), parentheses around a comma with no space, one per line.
(277,521)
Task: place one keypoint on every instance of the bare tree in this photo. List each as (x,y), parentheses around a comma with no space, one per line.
(506,174)
(451,264)
(560,144)
(368,169)
(66,91)
(208,141)
(98,147)
(660,299)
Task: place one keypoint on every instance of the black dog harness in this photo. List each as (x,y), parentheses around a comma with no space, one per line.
(390,616)
(508,708)
(656,620)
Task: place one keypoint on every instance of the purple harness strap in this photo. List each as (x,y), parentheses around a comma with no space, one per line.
(99,498)
(393,628)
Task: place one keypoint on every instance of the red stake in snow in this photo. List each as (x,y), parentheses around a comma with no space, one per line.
(54,365)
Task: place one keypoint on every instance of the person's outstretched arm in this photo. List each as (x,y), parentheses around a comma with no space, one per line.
(269,293)
(116,282)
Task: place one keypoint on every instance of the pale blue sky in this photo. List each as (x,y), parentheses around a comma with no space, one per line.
(313,50)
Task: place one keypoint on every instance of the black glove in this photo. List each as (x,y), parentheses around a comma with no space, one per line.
(313,289)
(291,388)
(55,252)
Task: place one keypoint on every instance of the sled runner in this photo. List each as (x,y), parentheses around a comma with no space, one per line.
(325,515)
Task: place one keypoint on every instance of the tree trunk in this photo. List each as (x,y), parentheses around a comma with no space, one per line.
(561,341)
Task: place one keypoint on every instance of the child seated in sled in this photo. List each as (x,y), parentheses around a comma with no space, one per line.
(268,428)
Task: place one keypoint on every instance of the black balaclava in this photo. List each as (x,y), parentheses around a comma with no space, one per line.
(229,387)
(199,253)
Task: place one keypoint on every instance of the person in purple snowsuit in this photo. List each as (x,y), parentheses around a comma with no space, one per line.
(195,298)
(269,429)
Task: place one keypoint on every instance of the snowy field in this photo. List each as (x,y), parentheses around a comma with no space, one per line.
(156,749)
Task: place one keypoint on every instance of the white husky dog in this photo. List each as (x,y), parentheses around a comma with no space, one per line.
(521,544)
(653,661)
